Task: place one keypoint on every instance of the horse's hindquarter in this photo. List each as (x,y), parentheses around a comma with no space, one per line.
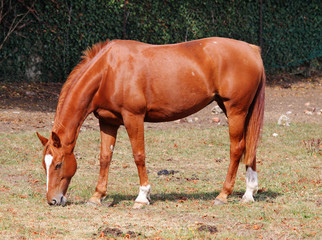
(238,69)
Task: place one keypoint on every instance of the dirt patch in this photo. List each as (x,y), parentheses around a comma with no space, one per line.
(115,232)
(208,228)
(31,106)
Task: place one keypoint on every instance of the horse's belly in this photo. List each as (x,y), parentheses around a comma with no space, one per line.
(174,111)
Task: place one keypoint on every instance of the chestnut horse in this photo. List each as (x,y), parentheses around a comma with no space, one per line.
(127,82)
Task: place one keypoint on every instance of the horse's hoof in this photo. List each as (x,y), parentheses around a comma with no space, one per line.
(219,202)
(94,202)
(247,199)
(139,205)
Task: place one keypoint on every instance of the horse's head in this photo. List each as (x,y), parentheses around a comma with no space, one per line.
(60,166)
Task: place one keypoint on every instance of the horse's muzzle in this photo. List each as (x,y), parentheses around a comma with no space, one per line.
(61,200)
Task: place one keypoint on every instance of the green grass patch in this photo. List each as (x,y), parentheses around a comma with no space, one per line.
(288,205)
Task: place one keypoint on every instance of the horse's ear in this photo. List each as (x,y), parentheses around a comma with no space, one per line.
(42,139)
(56,140)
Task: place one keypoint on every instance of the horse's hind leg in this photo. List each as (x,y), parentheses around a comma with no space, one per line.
(237,147)
(251,183)
(108,137)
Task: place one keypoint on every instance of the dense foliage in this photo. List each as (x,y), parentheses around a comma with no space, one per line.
(43,40)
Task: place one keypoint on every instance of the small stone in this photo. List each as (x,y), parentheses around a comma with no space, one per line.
(310,109)
(166,172)
(275,134)
(173,172)
(115,232)
(217,110)
(289,112)
(284,120)
(208,228)
(307,112)
(163,172)
(216,120)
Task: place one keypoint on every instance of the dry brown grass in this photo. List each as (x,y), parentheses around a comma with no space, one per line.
(288,205)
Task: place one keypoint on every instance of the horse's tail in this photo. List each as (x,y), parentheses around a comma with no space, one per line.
(254,123)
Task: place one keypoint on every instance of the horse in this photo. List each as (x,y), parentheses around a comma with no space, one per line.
(126,82)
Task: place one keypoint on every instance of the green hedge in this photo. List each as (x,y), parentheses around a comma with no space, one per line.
(48,41)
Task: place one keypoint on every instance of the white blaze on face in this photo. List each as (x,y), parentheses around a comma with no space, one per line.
(48,161)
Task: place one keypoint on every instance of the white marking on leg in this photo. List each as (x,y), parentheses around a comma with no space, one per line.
(251,185)
(48,161)
(144,195)
(112,148)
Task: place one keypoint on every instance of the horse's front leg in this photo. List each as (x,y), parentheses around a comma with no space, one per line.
(135,127)
(108,137)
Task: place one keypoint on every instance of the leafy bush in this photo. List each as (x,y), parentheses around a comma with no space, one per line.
(43,40)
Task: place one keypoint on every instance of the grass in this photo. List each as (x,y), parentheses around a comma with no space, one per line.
(288,205)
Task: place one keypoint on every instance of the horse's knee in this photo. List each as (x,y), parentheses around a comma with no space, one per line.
(237,149)
(139,158)
(105,159)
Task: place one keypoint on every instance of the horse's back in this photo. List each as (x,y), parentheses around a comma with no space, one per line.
(172,81)
(167,81)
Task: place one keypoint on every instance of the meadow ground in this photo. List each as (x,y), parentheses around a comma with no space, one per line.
(288,205)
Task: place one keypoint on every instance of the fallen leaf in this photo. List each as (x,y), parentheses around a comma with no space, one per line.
(256,227)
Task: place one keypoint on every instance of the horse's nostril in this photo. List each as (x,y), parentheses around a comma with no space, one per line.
(53,202)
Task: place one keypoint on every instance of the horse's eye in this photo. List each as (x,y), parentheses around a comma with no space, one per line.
(58,166)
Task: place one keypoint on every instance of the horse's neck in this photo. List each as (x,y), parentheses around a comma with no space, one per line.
(75,108)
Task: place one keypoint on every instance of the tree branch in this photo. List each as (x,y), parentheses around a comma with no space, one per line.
(3,15)
(14,25)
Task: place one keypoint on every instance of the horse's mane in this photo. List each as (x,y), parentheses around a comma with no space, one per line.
(88,55)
